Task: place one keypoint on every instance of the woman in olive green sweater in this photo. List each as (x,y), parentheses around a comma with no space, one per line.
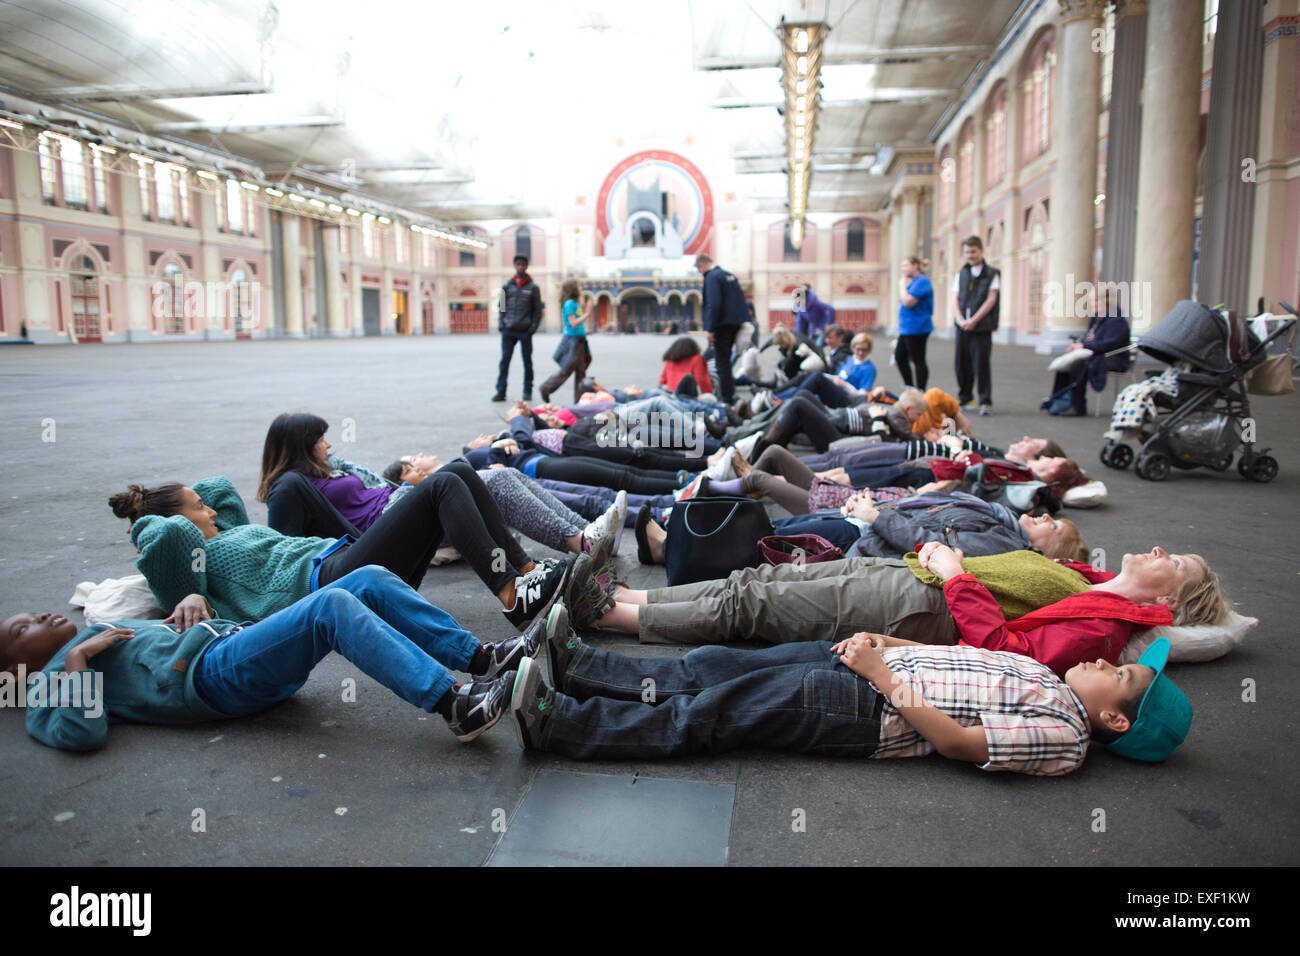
(199,541)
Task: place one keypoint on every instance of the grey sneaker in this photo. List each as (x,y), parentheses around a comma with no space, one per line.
(561,645)
(584,598)
(531,704)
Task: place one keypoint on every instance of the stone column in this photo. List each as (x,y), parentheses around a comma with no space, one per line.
(291,252)
(1074,181)
(1275,255)
(1123,141)
(1166,202)
(1232,136)
(333,282)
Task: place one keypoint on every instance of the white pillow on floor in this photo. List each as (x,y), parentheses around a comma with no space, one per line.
(1202,642)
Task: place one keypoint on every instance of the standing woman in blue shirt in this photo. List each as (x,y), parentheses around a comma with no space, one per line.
(915,323)
(572,355)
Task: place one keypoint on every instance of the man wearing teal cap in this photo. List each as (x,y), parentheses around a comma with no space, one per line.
(867,696)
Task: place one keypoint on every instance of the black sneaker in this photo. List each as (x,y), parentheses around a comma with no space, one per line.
(528,395)
(562,643)
(584,598)
(642,540)
(531,703)
(479,705)
(499,397)
(507,655)
(535,592)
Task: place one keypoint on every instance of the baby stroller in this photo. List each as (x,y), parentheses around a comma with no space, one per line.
(1198,419)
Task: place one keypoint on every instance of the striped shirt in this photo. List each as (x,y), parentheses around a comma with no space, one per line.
(1033,722)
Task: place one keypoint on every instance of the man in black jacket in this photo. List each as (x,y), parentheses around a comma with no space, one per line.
(724,312)
(520,316)
(975,311)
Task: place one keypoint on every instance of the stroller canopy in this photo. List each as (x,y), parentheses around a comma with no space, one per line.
(1192,333)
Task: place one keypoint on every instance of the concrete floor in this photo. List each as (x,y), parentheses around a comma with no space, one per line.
(318,781)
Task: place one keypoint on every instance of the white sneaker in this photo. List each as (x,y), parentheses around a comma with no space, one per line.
(746,445)
(620,518)
(601,528)
(721,470)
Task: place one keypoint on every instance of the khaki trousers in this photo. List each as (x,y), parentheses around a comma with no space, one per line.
(786,603)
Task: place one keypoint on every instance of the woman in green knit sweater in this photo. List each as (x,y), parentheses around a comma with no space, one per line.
(198,540)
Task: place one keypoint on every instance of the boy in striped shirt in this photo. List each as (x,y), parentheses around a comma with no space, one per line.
(867,696)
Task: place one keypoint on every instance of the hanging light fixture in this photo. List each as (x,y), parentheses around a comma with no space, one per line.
(801,60)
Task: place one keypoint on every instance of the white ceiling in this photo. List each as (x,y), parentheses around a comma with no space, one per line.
(460,109)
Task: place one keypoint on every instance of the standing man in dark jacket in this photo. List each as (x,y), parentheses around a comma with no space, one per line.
(975,309)
(520,316)
(724,312)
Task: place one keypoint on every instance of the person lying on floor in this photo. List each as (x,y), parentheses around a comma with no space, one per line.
(298,471)
(866,527)
(868,695)
(199,541)
(1059,613)
(193,666)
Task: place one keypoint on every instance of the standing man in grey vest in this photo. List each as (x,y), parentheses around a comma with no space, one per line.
(975,308)
(519,316)
(723,313)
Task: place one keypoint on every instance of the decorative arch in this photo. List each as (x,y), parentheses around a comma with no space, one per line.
(1037,85)
(85,269)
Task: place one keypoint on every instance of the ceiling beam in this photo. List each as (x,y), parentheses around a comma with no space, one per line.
(203,126)
(127,94)
(842,57)
(890,95)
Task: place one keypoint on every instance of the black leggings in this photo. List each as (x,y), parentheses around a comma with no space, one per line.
(604,474)
(910,353)
(802,413)
(451,504)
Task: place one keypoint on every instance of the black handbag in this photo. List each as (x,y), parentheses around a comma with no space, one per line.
(1022,497)
(708,538)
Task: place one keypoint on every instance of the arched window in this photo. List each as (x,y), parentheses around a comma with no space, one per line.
(1036,82)
(995,136)
(965,164)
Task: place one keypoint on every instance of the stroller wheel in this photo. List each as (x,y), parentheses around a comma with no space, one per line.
(1152,466)
(1105,454)
(1263,469)
(1119,456)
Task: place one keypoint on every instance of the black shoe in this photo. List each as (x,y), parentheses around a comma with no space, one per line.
(584,598)
(561,644)
(479,705)
(642,539)
(531,703)
(528,395)
(499,397)
(714,428)
(535,592)
(506,655)
(546,396)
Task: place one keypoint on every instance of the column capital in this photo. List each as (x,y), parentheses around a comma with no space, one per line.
(1071,10)
(1130,8)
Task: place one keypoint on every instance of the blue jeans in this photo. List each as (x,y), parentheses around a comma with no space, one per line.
(369,616)
(830,525)
(591,502)
(793,696)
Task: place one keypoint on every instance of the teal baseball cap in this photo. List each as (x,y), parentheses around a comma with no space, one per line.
(1164,716)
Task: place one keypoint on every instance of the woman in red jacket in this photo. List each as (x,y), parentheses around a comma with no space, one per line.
(683,361)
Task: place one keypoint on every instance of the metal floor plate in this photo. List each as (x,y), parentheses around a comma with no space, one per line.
(592,819)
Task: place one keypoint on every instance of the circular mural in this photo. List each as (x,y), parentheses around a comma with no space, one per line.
(691,204)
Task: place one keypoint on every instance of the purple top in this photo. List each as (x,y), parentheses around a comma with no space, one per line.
(354,501)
